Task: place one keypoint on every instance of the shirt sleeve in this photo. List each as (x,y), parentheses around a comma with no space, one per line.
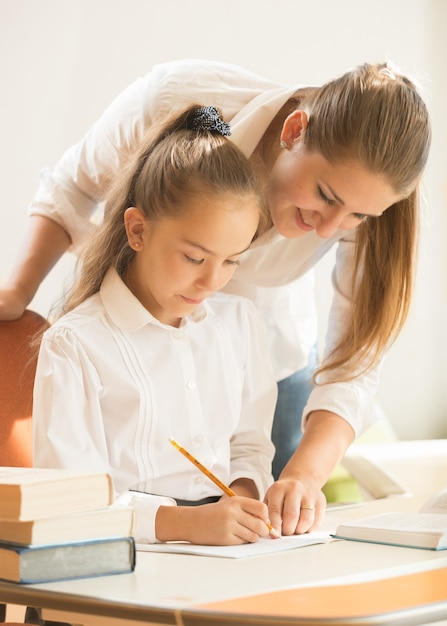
(68,429)
(72,192)
(353,400)
(251,446)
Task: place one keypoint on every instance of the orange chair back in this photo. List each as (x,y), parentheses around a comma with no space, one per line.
(18,360)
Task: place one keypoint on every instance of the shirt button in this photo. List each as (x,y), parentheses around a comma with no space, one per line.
(198,480)
(191,384)
(198,439)
(177,334)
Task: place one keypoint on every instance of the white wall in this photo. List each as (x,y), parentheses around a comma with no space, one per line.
(62,61)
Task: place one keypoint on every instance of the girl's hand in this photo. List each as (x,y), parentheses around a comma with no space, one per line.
(230,521)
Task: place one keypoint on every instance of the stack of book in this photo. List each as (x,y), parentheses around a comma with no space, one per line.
(58,524)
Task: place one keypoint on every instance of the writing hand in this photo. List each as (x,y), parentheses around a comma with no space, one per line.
(231,521)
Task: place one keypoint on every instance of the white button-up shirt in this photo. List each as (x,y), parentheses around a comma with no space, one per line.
(113,384)
(277,272)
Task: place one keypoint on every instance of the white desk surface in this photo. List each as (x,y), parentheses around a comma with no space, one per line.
(165,584)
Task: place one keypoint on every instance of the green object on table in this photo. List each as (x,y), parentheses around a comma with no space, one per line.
(342,487)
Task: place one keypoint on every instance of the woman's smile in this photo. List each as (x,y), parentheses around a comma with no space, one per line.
(301,222)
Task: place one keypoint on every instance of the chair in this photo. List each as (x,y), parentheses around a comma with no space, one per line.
(18,360)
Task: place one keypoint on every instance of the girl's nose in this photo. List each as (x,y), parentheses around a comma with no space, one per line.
(210,280)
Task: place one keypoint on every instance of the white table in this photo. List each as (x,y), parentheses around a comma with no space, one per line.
(164,585)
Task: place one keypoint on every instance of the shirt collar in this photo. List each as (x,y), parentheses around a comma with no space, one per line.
(127,312)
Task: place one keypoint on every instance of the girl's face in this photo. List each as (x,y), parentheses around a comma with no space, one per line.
(309,193)
(181,261)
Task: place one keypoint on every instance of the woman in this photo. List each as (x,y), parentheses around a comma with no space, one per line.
(342,163)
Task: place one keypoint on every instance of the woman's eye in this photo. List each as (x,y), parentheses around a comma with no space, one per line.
(194,261)
(324,197)
(360,217)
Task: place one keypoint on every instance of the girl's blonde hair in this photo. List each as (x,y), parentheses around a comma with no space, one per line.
(178,160)
(374,115)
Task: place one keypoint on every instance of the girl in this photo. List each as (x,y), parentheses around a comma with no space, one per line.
(146,350)
(342,165)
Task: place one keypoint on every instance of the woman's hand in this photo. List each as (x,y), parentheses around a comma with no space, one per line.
(230,521)
(13,303)
(296,503)
(295,506)
(44,243)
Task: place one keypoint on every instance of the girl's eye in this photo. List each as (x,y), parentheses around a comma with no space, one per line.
(230,262)
(194,261)
(324,197)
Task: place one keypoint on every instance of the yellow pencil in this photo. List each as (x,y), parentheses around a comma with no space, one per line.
(214,478)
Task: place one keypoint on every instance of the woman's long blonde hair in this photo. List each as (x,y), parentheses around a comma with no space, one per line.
(374,115)
(177,161)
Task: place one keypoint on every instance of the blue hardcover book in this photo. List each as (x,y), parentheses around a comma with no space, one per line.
(46,563)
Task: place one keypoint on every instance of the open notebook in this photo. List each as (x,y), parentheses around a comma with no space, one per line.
(263,546)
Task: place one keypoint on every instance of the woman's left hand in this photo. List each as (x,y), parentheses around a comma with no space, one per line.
(295,501)
(295,506)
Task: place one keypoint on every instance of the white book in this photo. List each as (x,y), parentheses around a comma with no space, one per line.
(426,528)
(111,521)
(34,493)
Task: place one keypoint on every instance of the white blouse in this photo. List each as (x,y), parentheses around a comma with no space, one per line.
(113,384)
(276,273)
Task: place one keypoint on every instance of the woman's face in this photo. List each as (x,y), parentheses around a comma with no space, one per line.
(181,261)
(308,193)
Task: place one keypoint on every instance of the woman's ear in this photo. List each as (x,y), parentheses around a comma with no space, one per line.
(135,223)
(293,127)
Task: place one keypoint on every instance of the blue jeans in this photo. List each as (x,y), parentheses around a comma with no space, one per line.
(293,393)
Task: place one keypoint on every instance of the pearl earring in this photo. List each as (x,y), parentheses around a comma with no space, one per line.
(283,144)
